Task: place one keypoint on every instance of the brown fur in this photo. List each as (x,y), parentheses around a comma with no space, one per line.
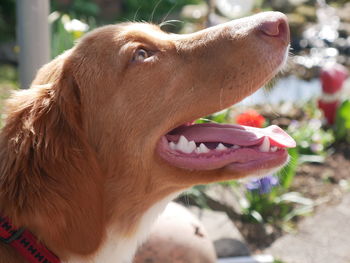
(78,148)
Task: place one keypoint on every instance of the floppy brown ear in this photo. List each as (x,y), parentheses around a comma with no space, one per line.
(50,181)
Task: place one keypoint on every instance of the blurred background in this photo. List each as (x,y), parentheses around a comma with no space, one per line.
(297,215)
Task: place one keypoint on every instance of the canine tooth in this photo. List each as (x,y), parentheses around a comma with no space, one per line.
(265,146)
(221,147)
(203,148)
(191,146)
(182,140)
(273,149)
(235,147)
(183,145)
(172,145)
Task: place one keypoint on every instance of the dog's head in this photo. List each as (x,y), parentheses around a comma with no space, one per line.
(107,125)
(142,88)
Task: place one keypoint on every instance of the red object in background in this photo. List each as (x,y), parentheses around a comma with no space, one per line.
(332,78)
(251,118)
(329,110)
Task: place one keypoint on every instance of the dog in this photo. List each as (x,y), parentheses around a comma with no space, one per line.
(104,138)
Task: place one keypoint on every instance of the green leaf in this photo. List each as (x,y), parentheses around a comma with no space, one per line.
(257,216)
(307,209)
(342,129)
(220,117)
(295,197)
(287,173)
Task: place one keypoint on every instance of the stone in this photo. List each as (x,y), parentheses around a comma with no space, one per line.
(177,237)
(228,241)
(322,238)
(230,247)
(224,195)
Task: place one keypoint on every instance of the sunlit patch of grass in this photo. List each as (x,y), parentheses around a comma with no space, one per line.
(8,73)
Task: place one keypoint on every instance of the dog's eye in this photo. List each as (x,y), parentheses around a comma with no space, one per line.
(140,55)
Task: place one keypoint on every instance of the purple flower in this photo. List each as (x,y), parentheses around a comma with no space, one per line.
(263,185)
(316,147)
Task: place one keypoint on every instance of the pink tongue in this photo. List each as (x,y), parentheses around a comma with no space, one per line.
(232,134)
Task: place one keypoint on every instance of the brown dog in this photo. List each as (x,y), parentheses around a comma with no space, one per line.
(103,139)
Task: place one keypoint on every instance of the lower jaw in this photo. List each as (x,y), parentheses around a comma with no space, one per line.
(260,166)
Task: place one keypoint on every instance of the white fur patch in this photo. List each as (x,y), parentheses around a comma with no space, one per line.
(117,249)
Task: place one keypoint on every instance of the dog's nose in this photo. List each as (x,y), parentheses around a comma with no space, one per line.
(276,26)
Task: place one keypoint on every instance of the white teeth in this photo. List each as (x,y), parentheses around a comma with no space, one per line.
(182,144)
(221,147)
(172,145)
(202,148)
(182,140)
(265,146)
(185,146)
(273,149)
(192,146)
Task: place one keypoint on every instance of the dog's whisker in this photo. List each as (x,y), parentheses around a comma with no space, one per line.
(169,22)
(168,13)
(154,10)
(136,13)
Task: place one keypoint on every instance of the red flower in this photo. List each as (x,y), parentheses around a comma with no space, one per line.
(251,118)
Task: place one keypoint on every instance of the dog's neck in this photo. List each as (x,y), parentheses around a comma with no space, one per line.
(121,249)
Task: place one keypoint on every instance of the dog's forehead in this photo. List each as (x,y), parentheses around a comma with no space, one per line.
(144,29)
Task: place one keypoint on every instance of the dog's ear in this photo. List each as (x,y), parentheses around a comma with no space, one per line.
(50,180)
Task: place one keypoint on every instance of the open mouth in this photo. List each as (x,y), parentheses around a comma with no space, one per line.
(212,146)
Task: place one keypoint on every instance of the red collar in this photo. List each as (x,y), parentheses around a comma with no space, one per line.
(25,243)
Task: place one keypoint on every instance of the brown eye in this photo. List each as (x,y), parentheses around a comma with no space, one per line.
(140,55)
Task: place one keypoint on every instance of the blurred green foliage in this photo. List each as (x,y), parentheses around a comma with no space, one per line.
(79,9)
(61,38)
(311,136)
(7,20)
(342,126)
(8,74)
